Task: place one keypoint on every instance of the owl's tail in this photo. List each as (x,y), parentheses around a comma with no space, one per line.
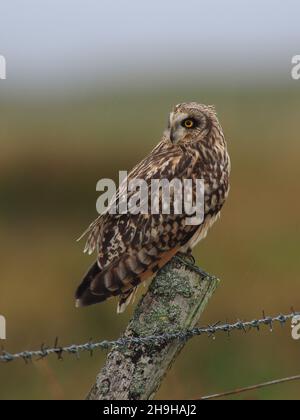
(83,295)
(120,277)
(125,299)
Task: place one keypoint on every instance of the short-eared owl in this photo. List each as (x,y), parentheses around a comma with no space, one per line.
(132,247)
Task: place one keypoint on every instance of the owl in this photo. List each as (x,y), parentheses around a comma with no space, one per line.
(131,248)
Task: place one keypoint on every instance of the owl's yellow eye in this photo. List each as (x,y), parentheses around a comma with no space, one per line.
(188,123)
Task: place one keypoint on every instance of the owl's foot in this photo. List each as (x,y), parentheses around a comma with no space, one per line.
(187,257)
(189,261)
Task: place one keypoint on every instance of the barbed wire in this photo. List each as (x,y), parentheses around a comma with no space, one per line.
(184,335)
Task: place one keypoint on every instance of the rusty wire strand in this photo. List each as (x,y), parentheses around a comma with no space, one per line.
(251,388)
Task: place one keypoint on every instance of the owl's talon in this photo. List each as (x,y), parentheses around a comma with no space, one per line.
(188,257)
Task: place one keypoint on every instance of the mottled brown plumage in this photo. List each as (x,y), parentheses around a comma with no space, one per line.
(131,248)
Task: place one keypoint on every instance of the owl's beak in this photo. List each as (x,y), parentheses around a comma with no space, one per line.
(172,135)
(176,131)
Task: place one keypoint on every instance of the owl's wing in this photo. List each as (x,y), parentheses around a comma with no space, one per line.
(95,230)
(132,247)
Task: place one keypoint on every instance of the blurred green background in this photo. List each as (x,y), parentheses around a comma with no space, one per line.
(55,146)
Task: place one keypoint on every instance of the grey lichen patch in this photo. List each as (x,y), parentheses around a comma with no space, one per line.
(137,389)
(138,383)
(126,351)
(211,279)
(169,284)
(104,386)
(160,319)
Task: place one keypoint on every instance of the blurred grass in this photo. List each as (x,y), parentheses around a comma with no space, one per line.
(53,153)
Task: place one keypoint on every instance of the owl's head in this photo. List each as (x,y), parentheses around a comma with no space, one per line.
(190,122)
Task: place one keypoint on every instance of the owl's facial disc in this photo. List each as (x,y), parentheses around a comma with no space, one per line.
(181,126)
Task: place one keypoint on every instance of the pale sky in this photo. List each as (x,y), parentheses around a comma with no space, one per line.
(59,42)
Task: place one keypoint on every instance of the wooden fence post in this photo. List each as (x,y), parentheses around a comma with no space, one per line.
(174,302)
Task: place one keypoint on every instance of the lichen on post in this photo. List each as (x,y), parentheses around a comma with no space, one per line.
(174,302)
